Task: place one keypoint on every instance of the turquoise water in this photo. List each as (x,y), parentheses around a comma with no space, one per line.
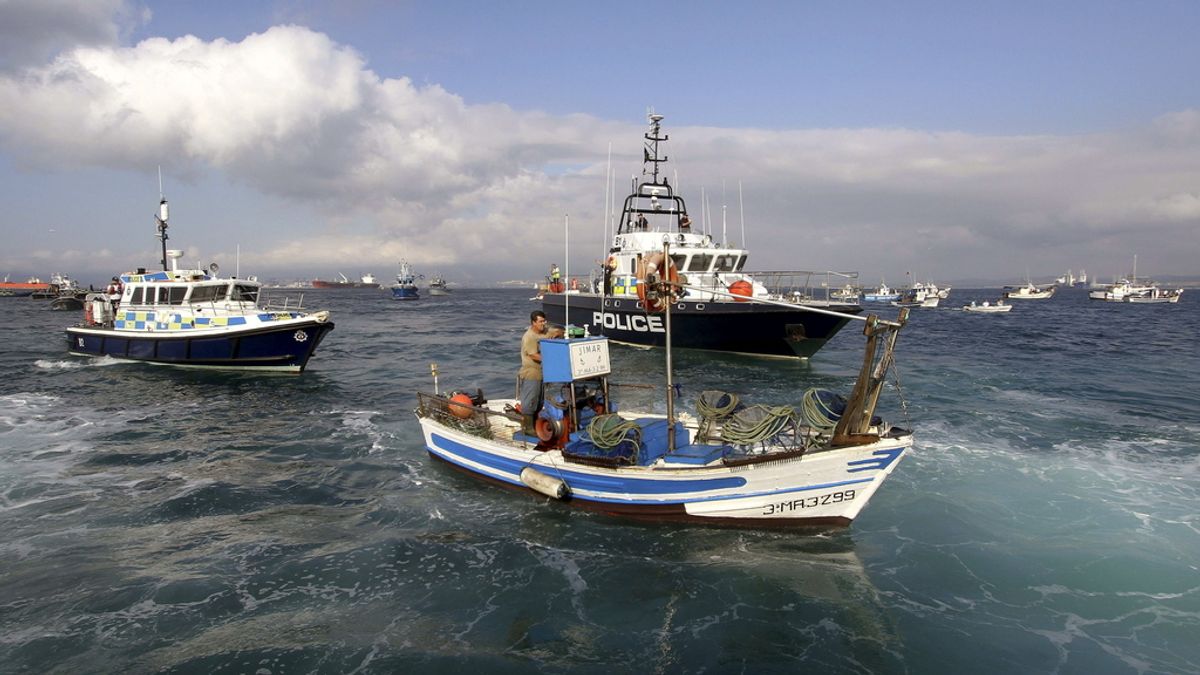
(155,519)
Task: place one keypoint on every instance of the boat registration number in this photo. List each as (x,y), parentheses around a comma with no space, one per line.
(808,502)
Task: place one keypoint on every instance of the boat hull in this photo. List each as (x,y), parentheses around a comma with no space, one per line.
(821,488)
(405,293)
(735,327)
(318,283)
(283,347)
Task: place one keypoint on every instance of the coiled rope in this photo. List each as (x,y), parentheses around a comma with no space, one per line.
(821,409)
(758,423)
(716,404)
(609,431)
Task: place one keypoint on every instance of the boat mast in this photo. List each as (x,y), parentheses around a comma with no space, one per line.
(650,152)
(161,219)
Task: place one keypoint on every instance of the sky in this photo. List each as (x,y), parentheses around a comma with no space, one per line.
(299,139)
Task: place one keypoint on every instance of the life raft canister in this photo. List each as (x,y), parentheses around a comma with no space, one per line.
(652,269)
(742,288)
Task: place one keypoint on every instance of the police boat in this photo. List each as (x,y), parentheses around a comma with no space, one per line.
(195,319)
(718,312)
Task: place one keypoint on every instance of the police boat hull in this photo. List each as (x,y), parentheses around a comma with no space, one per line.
(733,327)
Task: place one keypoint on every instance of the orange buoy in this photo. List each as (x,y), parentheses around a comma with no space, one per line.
(655,268)
(743,288)
(460,406)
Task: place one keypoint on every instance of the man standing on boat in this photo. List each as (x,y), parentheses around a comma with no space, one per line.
(529,377)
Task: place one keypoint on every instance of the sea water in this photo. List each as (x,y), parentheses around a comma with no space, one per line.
(159,519)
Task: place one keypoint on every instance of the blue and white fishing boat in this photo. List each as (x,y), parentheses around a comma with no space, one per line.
(883,293)
(405,287)
(729,463)
(195,319)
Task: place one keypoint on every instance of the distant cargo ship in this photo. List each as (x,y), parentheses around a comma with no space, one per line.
(22,289)
(368,281)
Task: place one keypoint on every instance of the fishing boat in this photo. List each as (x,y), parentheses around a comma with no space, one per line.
(1029,291)
(67,295)
(987,307)
(1136,291)
(438,286)
(729,463)
(917,298)
(405,287)
(882,293)
(195,319)
(23,289)
(365,281)
(715,312)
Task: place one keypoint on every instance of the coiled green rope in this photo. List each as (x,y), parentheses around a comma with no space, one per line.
(816,413)
(758,423)
(716,405)
(609,431)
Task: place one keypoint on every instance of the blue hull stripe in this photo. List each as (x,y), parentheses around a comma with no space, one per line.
(453,451)
(586,481)
(884,458)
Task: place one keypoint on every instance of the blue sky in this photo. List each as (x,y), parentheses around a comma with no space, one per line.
(956,140)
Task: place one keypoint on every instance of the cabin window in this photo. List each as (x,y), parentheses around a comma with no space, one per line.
(726,263)
(742,261)
(175,294)
(136,298)
(209,293)
(245,293)
(700,263)
(680,261)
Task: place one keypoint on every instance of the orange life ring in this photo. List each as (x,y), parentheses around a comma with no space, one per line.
(657,267)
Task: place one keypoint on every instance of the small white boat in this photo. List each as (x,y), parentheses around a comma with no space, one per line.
(728,464)
(986,307)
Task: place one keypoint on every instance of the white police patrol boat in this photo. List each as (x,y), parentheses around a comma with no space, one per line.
(193,318)
(729,463)
(715,313)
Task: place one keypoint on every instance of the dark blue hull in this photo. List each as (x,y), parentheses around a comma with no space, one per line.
(277,348)
(399,293)
(736,327)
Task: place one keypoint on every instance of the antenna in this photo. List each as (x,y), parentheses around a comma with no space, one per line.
(742,211)
(161,219)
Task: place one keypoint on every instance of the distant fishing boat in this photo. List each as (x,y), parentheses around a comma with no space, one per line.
(438,286)
(405,287)
(882,293)
(1135,291)
(195,319)
(1029,291)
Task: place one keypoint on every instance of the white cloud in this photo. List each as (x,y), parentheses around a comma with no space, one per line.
(399,170)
